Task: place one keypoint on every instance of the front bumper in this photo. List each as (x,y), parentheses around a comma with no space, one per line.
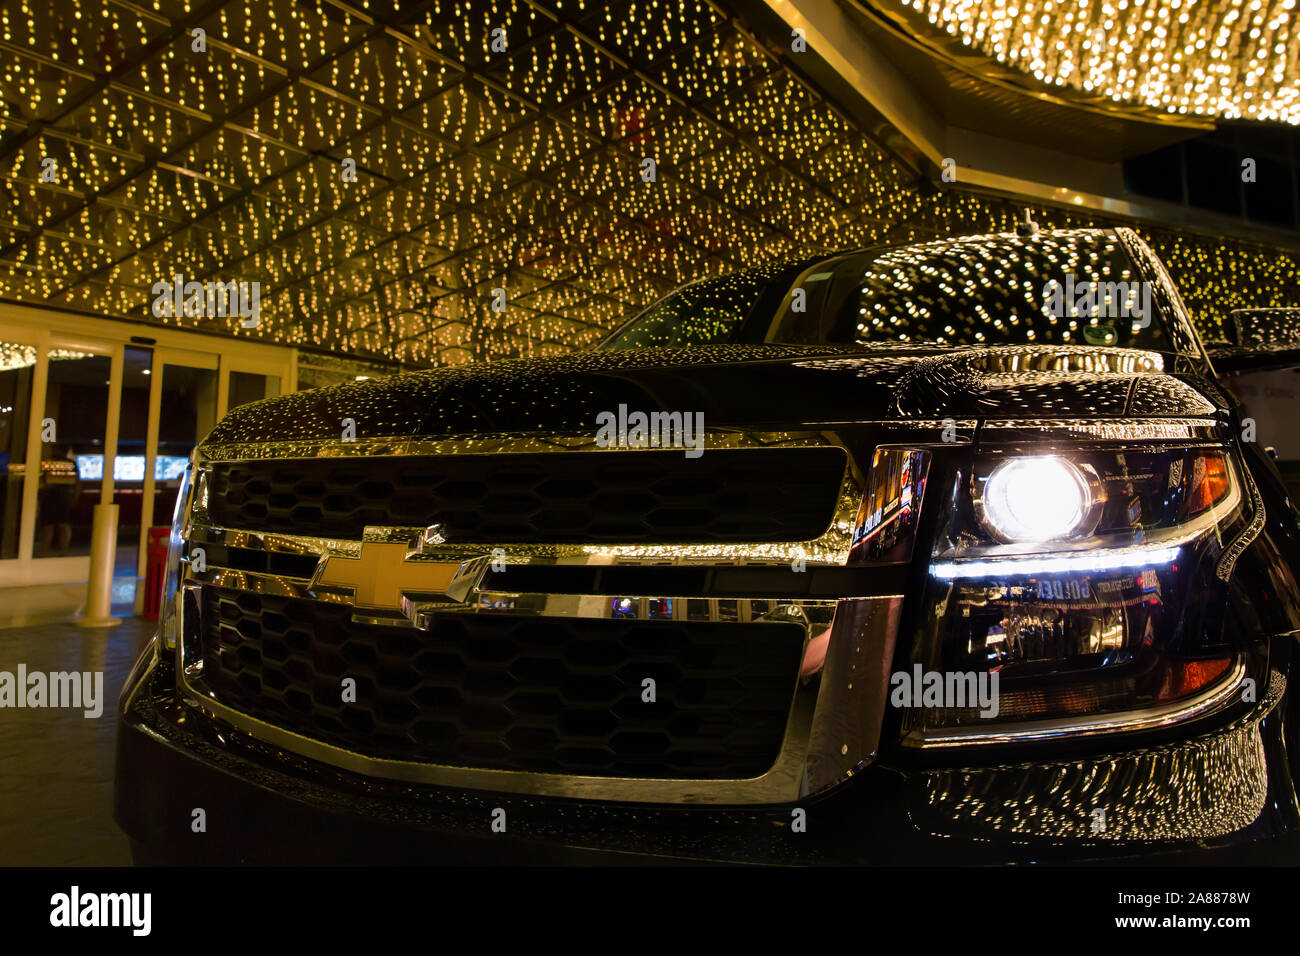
(1221,797)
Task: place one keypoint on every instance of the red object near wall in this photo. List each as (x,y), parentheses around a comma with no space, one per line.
(155,571)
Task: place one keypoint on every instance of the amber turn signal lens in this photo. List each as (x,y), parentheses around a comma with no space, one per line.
(1208,482)
(1183,678)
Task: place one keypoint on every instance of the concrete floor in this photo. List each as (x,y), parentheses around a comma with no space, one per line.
(56,766)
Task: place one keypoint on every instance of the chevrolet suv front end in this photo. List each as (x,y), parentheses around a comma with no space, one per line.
(970,564)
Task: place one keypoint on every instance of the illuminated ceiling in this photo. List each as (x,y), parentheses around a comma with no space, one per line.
(1228,59)
(475,170)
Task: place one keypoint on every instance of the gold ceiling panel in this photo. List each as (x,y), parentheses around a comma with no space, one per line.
(642,30)
(204,82)
(311,118)
(622,112)
(555,70)
(290,35)
(469,113)
(462,31)
(387,76)
(170,192)
(118,117)
(237,157)
(717,66)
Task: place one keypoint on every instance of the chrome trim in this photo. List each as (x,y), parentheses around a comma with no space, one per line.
(815,752)
(831,548)
(201,534)
(1235,548)
(1172,713)
(1115,429)
(547,604)
(255,582)
(491,444)
(813,613)
(169,610)
(854,688)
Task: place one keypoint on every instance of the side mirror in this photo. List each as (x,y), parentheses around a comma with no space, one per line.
(1259,339)
(1265,328)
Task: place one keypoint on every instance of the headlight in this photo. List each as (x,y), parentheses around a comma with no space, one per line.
(1083,586)
(1042,498)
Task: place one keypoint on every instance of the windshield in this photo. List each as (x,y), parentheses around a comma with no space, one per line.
(707,312)
(1070,287)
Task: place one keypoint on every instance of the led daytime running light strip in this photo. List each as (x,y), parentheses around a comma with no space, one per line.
(1020,567)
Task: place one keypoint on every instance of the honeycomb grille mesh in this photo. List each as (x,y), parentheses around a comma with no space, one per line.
(546,694)
(780,494)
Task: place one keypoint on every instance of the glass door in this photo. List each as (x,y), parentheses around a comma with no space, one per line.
(183,404)
(73,440)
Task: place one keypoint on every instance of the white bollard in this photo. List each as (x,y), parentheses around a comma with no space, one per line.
(103,554)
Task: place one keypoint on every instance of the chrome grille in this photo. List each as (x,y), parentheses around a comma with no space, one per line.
(547,694)
(727,495)
(263,648)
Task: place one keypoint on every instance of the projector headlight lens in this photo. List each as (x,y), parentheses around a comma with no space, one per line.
(1089,586)
(1043,498)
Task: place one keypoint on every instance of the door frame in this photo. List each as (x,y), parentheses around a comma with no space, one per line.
(162,357)
(252,365)
(30,568)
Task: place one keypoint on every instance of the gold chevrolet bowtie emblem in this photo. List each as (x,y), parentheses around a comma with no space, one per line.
(393,579)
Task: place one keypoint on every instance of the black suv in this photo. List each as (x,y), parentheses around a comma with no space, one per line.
(961,551)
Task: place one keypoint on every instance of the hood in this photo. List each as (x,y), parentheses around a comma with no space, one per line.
(734,386)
